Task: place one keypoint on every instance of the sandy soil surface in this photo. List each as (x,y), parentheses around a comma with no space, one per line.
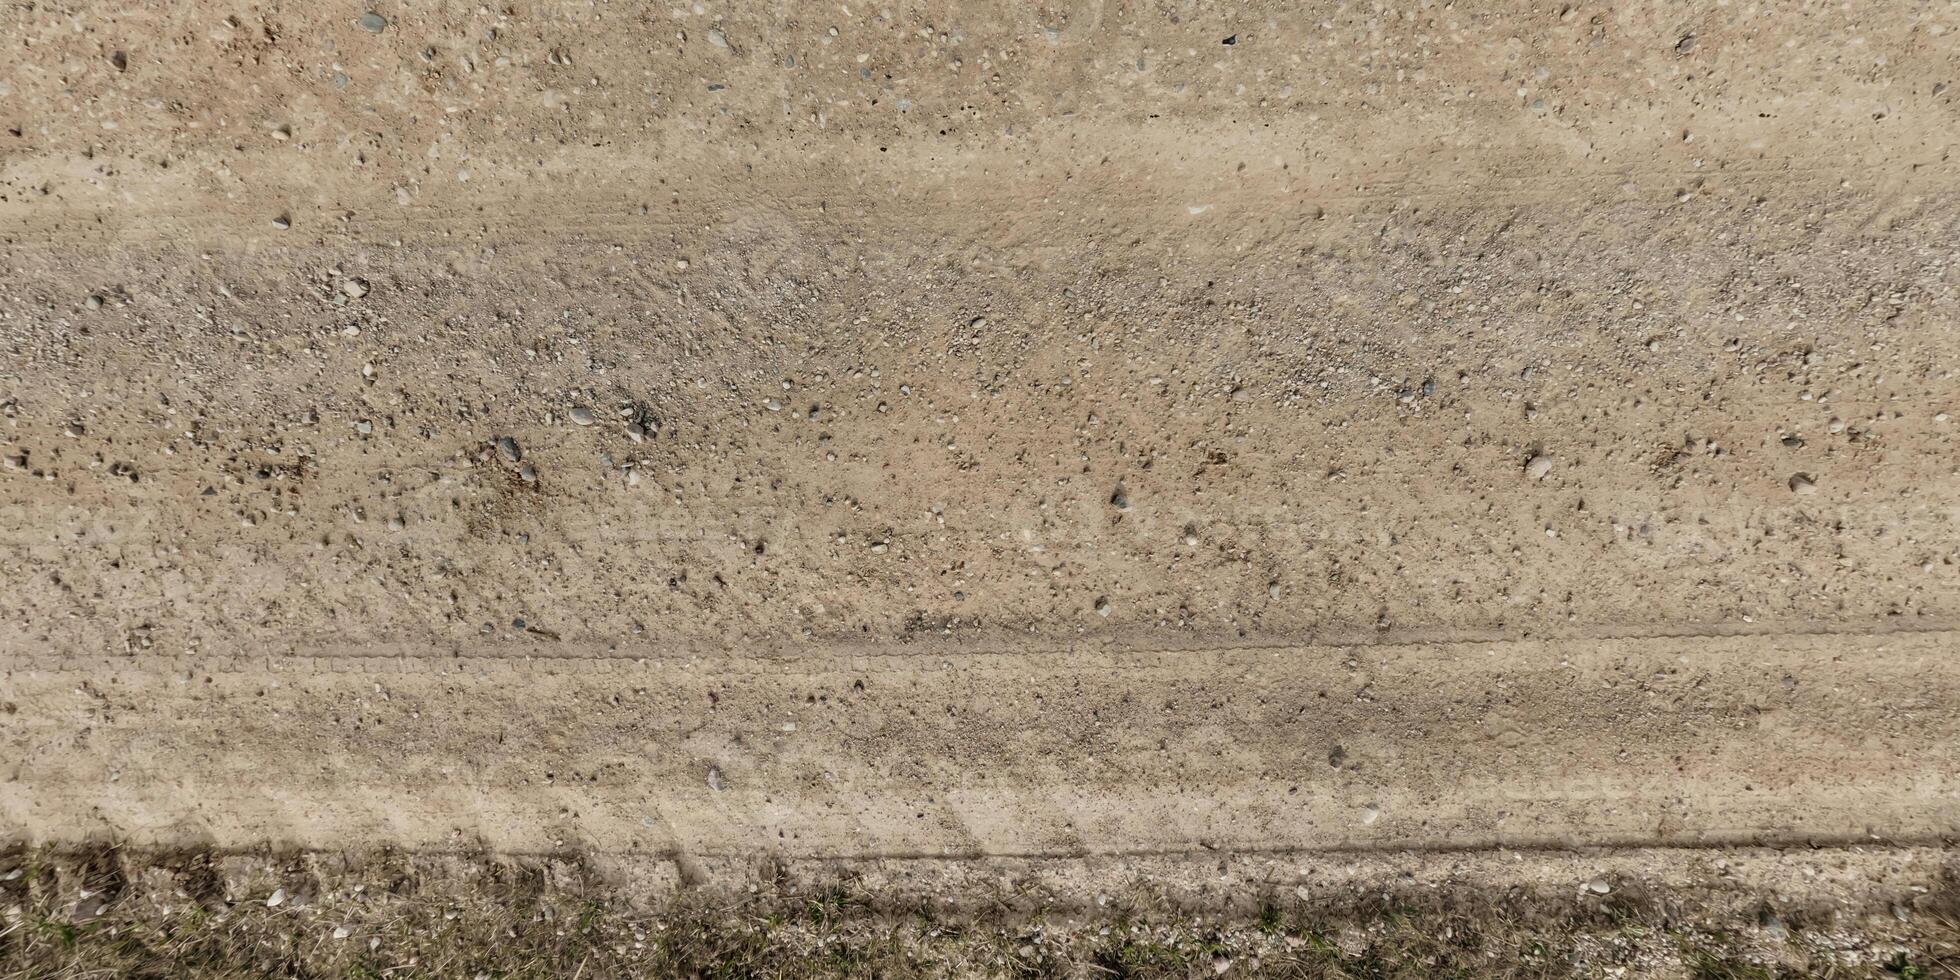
(978,431)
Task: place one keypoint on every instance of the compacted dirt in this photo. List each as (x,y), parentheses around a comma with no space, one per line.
(718,433)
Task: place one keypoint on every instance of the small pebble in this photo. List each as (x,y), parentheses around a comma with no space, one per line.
(1773,926)
(581,416)
(1801,483)
(354,288)
(282,222)
(1538,466)
(374,23)
(1598,887)
(508,448)
(528,473)
(93,302)
(278,898)
(342,932)
(1102,606)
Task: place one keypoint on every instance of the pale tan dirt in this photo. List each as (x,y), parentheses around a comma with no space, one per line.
(979,431)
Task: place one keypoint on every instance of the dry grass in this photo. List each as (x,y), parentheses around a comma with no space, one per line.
(180,916)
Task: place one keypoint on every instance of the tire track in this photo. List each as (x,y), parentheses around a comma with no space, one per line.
(817,655)
(617,213)
(1772,739)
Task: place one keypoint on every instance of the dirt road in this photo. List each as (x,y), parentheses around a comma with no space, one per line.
(980,430)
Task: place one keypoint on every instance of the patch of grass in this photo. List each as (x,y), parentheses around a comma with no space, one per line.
(206,917)
(1705,965)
